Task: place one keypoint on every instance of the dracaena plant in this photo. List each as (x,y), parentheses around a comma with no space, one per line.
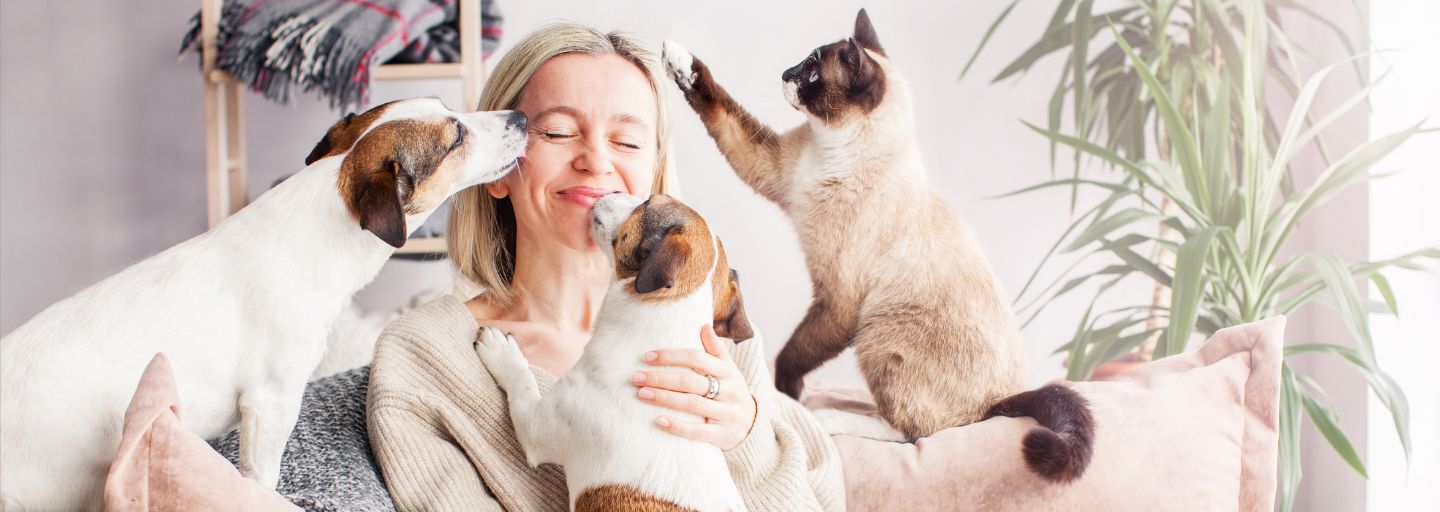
(1213,168)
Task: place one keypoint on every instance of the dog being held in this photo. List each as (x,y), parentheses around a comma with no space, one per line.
(241,311)
(671,278)
(895,272)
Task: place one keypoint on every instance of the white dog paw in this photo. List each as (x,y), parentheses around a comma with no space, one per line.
(501,355)
(679,64)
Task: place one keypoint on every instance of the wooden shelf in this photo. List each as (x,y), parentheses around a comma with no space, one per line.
(225,166)
(422,246)
(418,71)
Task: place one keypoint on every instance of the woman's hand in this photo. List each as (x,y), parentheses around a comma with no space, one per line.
(728,416)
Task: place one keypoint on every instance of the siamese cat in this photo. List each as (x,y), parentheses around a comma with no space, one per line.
(895,273)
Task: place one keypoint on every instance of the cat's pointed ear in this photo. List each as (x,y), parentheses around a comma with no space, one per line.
(862,64)
(865,33)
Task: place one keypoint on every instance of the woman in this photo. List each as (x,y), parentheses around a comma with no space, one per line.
(439,424)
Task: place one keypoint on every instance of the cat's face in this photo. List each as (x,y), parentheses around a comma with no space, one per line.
(840,79)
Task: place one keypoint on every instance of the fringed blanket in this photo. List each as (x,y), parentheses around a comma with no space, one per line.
(331,46)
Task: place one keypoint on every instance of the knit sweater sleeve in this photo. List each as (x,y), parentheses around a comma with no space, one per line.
(439,424)
(787,462)
(445,480)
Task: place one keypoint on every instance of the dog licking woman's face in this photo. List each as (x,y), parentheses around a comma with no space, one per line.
(666,251)
(592,129)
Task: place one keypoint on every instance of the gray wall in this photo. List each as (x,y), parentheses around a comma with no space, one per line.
(101,153)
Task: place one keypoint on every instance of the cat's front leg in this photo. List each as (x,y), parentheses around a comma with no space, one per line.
(756,152)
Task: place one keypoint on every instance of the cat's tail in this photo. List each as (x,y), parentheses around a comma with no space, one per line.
(1059,448)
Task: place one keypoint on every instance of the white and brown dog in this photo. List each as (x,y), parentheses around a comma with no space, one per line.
(671,277)
(242,311)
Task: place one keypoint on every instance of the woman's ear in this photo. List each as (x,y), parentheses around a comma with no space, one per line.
(498,189)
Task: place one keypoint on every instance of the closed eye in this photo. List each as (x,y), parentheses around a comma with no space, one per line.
(459,136)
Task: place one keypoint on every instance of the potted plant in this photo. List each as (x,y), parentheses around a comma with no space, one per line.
(1185,79)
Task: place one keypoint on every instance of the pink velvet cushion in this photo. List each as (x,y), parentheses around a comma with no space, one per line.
(160,466)
(1197,431)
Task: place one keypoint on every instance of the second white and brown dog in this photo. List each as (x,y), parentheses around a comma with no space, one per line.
(671,278)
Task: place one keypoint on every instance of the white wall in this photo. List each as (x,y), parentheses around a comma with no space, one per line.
(1404,215)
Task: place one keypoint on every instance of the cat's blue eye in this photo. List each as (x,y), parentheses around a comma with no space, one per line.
(814,76)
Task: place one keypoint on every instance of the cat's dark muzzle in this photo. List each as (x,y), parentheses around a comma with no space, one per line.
(792,74)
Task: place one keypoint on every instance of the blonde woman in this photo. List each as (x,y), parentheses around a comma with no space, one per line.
(439,424)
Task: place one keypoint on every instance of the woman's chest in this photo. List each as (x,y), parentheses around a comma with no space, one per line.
(543,346)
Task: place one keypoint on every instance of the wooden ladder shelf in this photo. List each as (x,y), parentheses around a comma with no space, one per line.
(225,169)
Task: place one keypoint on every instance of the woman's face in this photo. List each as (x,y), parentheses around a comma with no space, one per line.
(592,123)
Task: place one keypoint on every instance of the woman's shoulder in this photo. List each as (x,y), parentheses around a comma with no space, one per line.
(441,325)
(428,351)
(446,315)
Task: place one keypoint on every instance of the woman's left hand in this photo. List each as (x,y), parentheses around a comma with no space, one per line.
(728,416)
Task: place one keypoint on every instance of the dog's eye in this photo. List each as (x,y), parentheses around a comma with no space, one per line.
(814,75)
(459,136)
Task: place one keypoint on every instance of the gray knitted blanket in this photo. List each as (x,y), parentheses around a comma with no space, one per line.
(331,46)
(327,464)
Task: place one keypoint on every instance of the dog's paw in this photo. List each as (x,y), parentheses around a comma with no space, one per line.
(501,355)
(679,64)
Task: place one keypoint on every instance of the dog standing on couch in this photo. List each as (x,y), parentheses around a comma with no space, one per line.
(896,273)
(671,277)
(242,311)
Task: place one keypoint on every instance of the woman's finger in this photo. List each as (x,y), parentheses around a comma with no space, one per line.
(687,403)
(694,359)
(712,344)
(703,432)
(684,381)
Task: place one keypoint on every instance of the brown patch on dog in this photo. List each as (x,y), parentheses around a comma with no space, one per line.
(344,133)
(666,247)
(612,497)
(385,175)
(730,319)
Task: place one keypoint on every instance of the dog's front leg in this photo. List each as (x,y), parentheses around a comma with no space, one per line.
(502,356)
(267,417)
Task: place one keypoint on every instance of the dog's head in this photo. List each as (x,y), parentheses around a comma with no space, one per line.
(667,252)
(406,157)
(841,79)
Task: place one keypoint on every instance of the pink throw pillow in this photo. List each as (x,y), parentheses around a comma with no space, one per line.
(1196,431)
(161,466)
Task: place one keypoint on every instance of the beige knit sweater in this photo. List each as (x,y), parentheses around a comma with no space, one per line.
(440,428)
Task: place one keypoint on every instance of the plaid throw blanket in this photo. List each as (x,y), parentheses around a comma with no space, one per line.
(331,46)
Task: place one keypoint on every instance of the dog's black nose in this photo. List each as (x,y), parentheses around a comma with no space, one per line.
(516,121)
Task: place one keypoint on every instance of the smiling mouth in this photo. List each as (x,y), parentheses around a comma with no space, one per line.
(584,196)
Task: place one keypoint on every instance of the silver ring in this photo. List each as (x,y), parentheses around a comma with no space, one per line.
(714,387)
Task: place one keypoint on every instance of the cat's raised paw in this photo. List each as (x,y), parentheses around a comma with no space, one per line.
(679,64)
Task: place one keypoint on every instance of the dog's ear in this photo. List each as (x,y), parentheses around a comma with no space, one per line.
(865,33)
(383,175)
(730,319)
(374,199)
(661,263)
(333,137)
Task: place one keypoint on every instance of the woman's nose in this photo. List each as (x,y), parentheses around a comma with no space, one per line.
(595,158)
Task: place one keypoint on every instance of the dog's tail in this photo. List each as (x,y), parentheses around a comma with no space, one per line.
(1059,448)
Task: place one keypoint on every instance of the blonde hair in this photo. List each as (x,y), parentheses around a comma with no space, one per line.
(481,230)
